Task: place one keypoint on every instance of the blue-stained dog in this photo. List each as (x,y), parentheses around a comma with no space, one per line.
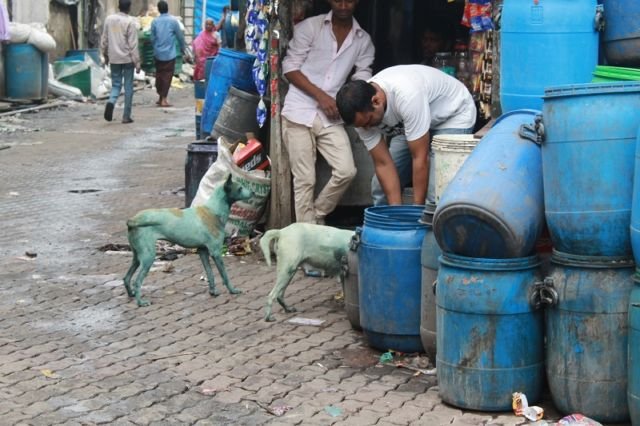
(200,227)
(322,247)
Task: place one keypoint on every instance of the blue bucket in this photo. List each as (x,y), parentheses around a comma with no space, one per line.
(26,72)
(588,163)
(490,339)
(230,68)
(429,255)
(390,277)
(493,207)
(587,331)
(622,33)
(543,44)
(93,54)
(633,360)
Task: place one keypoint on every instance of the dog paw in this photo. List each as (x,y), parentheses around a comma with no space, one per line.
(143,302)
(235,291)
(214,293)
(269,318)
(290,309)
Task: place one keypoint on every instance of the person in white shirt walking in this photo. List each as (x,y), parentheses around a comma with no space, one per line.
(407,104)
(119,46)
(320,57)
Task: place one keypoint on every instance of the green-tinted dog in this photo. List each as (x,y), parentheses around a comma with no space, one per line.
(200,227)
(322,247)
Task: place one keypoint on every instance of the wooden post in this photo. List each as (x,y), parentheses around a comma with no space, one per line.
(280,205)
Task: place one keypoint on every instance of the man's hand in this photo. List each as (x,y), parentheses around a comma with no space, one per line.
(328,106)
(138,69)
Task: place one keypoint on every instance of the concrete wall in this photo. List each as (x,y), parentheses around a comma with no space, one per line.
(27,11)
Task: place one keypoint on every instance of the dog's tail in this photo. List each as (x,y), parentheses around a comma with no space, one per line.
(265,243)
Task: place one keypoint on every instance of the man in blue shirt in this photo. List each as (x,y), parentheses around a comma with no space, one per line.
(165,32)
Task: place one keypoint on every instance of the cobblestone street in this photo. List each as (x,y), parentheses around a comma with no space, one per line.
(74,349)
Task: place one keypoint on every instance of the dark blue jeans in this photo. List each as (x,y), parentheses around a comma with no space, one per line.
(120,72)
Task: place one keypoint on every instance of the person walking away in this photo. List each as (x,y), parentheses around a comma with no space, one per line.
(406,104)
(165,32)
(119,45)
(321,55)
(207,44)
(221,27)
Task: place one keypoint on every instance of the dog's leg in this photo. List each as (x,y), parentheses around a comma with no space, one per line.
(217,258)
(284,276)
(204,258)
(146,263)
(132,269)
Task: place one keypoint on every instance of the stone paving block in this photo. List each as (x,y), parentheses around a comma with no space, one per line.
(364,417)
(390,402)
(472,419)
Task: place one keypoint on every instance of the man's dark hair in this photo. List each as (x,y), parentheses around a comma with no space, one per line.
(354,96)
(163,7)
(124,6)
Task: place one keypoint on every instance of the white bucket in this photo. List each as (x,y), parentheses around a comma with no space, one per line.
(449,153)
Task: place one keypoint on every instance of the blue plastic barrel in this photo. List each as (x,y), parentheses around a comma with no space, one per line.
(429,255)
(622,32)
(199,91)
(545,43)
(230,68)
(490,339)
(633,359)
(587,331)
(493,207)
(207,69)
(588,162)
(26,72)
(635,206)
(390,277)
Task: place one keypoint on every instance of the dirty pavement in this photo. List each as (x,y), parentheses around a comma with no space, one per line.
(74,349)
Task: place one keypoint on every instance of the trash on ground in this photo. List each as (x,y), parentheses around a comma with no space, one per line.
(333,411)
(521,407)
(278,410)
(306,321)
(30,253)
(386,357)
(208,391)
(49,374)
(577,419)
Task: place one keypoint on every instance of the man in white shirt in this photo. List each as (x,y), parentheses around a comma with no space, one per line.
(407,104)
(320,57)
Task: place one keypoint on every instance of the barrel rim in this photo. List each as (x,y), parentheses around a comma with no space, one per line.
(568,90)
(243,93)
(591,262)
(194,147)
(453,210)
(490,264)
(235,54)
(527,111)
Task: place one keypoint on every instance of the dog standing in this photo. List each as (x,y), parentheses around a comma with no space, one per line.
(200,227)
(322,247)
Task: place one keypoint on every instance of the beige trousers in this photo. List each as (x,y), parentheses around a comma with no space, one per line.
(303,144)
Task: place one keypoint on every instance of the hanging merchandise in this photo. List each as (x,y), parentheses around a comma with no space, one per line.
(257,43)
(477,15)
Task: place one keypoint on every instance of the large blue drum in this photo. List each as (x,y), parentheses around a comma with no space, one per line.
(429,259)
(545,43)
(494,207)
(622,32)
(389,273)
(633,360)
(229,68)
(588,162)
(587,331)
(635,206)
(26,72)
(490,338)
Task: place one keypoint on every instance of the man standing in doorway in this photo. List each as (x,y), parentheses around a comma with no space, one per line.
(119,45)
(320,57)
(407,104)
(165,32)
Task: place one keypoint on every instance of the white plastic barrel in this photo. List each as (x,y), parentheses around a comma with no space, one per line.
(449,153)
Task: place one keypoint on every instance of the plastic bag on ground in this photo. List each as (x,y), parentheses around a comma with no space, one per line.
(244,214)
